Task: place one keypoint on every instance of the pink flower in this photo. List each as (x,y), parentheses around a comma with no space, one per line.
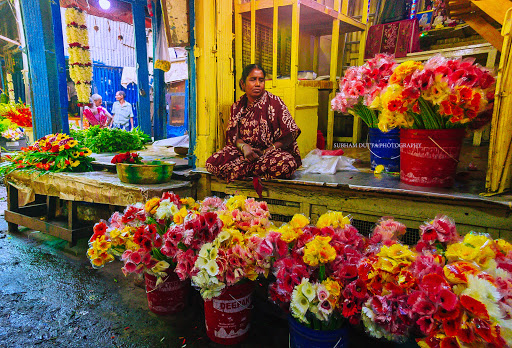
(424,307)
(129,267)
(135,258)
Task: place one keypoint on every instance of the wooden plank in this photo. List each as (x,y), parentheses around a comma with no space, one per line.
(495,8)
(52,228)
(486,30)
(33,210)
(192,110)
(175,14)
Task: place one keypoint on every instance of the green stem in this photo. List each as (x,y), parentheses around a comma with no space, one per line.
(321,273)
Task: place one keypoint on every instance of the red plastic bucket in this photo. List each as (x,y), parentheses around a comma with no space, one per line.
(429,157)
(168,297)
(228,316)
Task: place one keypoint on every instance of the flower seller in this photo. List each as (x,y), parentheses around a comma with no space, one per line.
(261,134)
(96,114)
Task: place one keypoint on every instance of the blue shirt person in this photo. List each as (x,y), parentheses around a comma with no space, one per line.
(122,112)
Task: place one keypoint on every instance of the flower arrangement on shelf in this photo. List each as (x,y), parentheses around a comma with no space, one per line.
(17,113)
(316,269)
(127,157)
(237,252)
(137,235)
(54,152)
(10,88)
(442,93)
(13,134)
(361,85)
(80,64)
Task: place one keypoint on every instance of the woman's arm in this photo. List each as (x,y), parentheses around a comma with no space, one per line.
(250,153)
(282,143)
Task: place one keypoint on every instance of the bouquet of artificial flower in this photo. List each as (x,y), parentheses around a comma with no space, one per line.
(235,254)
(451,292)
(442,93)
(316,269)
(137,235)
(13,134)
(361,85)
(54,152)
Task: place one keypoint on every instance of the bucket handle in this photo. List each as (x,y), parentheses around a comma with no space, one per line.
(240,303)
(373,153)
(290,342)
(157,287)
(439,146)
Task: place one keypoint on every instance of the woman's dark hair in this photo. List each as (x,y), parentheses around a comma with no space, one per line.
(247,70)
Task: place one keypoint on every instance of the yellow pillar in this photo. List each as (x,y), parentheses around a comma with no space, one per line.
(206,68)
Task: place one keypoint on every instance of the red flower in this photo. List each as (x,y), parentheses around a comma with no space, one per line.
(449,342)
(475,307)
(349,308)
(433,283)
(426,324)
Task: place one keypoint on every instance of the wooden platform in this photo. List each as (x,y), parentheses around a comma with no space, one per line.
(367,197)
(35,200)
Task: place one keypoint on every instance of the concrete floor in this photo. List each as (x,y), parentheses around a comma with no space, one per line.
(51,297)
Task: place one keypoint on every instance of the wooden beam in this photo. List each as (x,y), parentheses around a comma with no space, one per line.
(486,30)
(143,108)
(495,8)
(10,41)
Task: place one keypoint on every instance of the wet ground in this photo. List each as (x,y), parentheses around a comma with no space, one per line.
(51,297)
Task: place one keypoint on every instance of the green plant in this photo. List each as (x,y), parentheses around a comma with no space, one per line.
(111,140)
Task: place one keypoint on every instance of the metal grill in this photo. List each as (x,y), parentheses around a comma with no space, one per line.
(411,236)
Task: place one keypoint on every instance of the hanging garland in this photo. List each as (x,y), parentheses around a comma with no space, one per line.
(80,63)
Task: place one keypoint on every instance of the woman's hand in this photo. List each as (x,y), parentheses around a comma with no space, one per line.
(250,153)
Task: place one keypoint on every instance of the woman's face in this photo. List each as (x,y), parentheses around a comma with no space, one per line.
(97,102)
(254,85)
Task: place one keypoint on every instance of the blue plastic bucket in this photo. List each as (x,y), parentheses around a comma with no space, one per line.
(385,149)
(304,337)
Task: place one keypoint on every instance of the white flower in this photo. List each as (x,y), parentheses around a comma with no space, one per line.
(212,268)
(223,236)
(322,293)
(201,262)
(307,289)
(166,210)
(205,250)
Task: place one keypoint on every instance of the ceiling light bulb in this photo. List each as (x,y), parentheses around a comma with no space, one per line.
(104,4)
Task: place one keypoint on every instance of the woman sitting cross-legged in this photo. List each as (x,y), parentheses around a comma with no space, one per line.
(261,135)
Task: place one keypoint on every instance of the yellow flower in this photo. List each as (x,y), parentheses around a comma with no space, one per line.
(72,143)
(180,217)
(319,251)
(226,219)
(236,237)
(333,287)
(101,243)
(92,253)
(98,262)
(152,205)
(334,219)
(503,246)
(403,70)
(250,273)
(288,234)
(236,202)
(397,252)
(299,221)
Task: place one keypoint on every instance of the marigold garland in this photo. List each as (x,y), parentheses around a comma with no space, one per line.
(80,64)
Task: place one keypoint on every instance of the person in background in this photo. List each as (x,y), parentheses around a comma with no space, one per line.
(72,98)
(261,134)
(96,114)
(122,112)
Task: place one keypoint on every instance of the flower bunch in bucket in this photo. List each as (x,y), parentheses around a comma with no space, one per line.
(54,152)
(442,93)
(447,291)
(236,254)
(136,235)
(315,270)
(361,85)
